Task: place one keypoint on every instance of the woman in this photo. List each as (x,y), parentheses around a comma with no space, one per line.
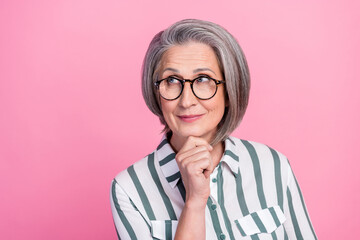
(200,183)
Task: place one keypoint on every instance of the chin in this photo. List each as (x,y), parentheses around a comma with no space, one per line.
(193,133)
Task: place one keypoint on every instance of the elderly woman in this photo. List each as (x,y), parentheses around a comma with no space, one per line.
(200,183)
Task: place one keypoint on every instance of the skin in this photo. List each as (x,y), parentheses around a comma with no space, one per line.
(196,158)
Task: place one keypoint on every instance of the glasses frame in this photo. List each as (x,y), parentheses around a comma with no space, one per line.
(183,81)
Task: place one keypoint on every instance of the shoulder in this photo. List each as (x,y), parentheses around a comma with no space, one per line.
(252,150)
(132,173)
(264,162)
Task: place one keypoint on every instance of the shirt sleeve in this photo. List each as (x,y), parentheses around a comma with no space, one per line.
(298,225)
(129,223)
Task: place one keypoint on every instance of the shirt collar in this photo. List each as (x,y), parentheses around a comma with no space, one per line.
(231,156)
(167,162)
(170,169)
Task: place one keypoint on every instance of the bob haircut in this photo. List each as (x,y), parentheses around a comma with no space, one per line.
(232,63)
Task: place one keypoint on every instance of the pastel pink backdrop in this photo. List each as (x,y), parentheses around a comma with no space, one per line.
(72,115)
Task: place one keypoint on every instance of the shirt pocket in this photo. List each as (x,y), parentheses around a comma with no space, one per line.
(163,229)
(264,221)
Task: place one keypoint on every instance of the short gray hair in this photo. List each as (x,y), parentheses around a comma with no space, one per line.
(231,60)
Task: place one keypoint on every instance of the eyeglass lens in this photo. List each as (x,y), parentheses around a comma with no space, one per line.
(202,87)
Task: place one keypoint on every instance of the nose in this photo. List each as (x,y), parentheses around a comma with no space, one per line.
(187,98)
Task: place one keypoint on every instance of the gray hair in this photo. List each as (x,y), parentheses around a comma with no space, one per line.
(231,60)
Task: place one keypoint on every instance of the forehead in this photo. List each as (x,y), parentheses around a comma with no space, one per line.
(190,54)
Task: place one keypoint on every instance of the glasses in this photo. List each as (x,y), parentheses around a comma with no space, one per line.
(203,87)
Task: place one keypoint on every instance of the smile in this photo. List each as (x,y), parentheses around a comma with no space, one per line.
(190,118)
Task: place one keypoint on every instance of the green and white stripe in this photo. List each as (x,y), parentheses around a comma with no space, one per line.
(254,195)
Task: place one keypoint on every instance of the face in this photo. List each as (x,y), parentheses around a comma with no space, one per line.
(187,115)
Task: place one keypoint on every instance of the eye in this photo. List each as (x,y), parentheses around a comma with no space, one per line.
(172,80)
(203,79)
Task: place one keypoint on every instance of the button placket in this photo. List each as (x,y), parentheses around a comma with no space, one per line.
(213,184)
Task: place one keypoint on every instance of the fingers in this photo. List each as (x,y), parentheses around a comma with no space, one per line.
(198,167)
(195,164)
(198,156)
(193,151)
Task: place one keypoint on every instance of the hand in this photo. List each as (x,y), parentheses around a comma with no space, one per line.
(196,165)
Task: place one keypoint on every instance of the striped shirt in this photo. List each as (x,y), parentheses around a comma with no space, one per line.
(254,195)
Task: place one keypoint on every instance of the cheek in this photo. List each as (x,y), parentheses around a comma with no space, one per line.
(218,104)
(216,110)
(167,108)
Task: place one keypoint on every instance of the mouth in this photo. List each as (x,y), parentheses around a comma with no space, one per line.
(190,118)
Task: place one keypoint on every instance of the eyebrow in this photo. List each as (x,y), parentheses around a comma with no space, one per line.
(171,69)
(195,71)
(203,69)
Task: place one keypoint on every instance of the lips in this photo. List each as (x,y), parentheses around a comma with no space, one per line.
(190,118)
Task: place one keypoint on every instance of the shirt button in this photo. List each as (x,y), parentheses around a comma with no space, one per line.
(213,206)
(222,236)
(214,180)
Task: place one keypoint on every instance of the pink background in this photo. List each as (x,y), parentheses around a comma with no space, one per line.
(72,115)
